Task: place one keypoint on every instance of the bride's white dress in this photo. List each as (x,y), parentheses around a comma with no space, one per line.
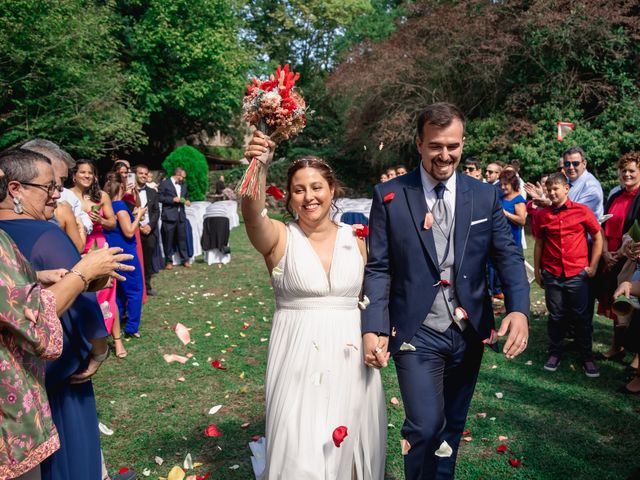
(316,379)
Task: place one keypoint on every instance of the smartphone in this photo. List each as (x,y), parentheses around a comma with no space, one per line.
(131,179)
(96,208)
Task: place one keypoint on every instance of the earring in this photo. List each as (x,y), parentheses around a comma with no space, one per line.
(17,206)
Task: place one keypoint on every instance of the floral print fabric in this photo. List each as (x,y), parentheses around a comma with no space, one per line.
(30,334)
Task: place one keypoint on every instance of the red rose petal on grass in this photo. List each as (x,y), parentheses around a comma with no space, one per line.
(212,431)
(514,462)
(466,432)
(339,435)
(217,365)
(202,477)
(123,470)
(245,325)
(501,448)
(275,192)
(388,197)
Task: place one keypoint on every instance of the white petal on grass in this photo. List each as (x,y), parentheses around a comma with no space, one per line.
(104,429)
(188,462)
(215,409)
(146,472)
(499,395)
(234,467)
(159,460)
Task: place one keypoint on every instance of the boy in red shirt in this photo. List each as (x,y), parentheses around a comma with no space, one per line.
(562,268)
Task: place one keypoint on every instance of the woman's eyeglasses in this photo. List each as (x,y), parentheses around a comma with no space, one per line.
(50,188)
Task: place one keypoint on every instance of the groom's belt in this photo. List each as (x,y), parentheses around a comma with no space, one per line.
(317,303)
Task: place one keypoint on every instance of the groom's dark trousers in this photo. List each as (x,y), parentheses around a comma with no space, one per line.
(402,278)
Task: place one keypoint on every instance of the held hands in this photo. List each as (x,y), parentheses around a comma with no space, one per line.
(260,145)
(375,350)
(610,259)
(590,271)
(517,325)
(631,250)
(49,277)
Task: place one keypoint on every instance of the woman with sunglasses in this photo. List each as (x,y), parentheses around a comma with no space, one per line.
(24,214)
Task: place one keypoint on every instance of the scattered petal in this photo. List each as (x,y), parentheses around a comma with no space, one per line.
(169,358)
(502,438)
(264,339)
(405,446)
(208,334)
(466,432)
(215,409)
(181,379)
(143,395)
(241,376)
(188,462)
(339,435)
(159,460)
(123,470)
(245,325)
(104,429)
(176,473)
(528,362)
(493,419)
(243,334)
(394,401)
(407,347)
(493,367)
(212,431)
(481,415)
(183,333)
(514,462)
(146,472)
(502,448)
(499,395)
(217,365)
(467,439)
(245,425)
(234,467)
(445,450)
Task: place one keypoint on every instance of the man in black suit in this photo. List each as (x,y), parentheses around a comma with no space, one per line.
(149,223)
(174,196)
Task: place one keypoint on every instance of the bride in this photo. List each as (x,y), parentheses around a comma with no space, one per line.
(316,379)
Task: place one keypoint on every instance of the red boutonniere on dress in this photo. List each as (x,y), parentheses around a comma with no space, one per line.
(361,231)
(274,108)
(275,192)
(388,197)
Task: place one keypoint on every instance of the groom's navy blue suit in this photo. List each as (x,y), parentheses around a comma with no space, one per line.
(438,378)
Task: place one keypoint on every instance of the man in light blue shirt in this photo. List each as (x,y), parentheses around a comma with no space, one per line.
(585,188)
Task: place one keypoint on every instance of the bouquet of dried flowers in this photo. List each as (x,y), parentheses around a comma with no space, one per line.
(274,108)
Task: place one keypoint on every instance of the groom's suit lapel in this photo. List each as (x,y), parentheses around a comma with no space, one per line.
(418,208)
(464,209)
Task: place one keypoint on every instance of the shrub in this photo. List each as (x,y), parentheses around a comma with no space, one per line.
(196,167)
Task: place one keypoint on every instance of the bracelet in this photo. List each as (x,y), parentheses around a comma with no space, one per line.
(82,277)
(102,357)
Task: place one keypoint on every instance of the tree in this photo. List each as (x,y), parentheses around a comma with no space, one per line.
(514,67)
(185,63)
(196,167)
(61,79)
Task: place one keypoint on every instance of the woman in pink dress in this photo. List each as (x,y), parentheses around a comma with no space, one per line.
(98,205)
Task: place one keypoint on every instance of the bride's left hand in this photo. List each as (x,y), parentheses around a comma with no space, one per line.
(375,350)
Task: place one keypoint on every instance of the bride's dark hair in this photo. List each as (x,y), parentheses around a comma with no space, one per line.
(325,170)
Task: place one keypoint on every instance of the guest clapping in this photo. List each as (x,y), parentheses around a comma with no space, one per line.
(513,204)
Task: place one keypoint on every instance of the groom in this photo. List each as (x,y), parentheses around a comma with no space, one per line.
(431,234)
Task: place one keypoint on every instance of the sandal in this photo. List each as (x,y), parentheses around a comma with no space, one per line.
(120,353)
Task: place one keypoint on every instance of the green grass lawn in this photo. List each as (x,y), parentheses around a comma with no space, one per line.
(561,425)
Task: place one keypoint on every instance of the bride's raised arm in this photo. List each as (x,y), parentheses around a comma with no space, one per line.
(268,236)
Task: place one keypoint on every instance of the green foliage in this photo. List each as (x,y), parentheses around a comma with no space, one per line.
(195,165)
(60,78)
(227,153)
(186,65)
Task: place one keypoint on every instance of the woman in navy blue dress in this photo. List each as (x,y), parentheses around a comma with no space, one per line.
(513,204)
(30,202)
(129,294)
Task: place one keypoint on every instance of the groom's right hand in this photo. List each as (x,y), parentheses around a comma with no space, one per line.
(375,350)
